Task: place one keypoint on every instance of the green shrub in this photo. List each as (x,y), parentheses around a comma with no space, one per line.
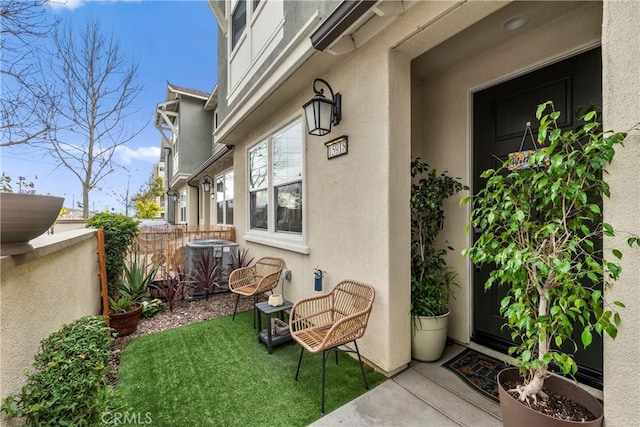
(68,385)
(119,232)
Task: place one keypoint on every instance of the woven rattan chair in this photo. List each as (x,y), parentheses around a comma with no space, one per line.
(252,281)
(322,323)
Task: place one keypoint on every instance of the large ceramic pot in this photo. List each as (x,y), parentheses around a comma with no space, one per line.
(125,323)
(429,337)
(24,217)
(517,414)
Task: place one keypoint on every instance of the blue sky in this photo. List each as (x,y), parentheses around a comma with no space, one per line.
(171,41)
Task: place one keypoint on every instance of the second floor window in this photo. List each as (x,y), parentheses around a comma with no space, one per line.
(238,22)
(275,182)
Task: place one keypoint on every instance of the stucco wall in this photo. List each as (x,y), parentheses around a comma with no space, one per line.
(194,133)
(55,284)
(350,196)
(442,124)
(621,108)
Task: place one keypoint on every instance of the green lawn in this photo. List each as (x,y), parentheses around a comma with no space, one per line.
(215,373)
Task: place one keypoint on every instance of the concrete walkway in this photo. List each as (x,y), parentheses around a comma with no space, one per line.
(424,395)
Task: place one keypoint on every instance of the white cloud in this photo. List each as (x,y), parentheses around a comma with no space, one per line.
(143,154)
(66,4)
(74,4)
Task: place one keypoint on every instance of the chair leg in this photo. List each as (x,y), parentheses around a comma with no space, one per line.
(255,311)
(236,307)
(299,362)
(335,350)
(364,377)
(324,362)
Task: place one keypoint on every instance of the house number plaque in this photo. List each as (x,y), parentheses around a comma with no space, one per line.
(337,147)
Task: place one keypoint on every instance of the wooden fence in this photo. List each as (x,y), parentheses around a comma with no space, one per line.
(165,245)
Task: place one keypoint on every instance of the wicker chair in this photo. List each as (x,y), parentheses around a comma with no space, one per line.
(325,322)
(252,281)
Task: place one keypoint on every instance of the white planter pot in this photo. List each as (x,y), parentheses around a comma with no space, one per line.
(429,336)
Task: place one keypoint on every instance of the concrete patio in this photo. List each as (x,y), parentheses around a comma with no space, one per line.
(424,395)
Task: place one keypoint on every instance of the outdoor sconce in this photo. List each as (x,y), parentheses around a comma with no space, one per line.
(321,112)
(206,184)
(173,194)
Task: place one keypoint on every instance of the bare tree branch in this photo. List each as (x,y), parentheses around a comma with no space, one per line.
(23,117)
(96,89)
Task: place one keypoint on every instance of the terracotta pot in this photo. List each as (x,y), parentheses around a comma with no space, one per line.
(24,217)
(517,414)
(429,337)
(125,323)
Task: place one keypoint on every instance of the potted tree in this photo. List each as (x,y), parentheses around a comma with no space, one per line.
(432,280)
(540,227)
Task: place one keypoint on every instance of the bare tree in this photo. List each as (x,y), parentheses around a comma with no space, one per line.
(124,197)
(97,90)
(24,113)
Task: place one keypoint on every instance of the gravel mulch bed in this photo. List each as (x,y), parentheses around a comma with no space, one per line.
(184,313)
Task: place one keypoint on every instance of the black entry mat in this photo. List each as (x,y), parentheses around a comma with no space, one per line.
(478,370)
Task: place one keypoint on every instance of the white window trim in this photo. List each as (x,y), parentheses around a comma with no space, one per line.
(223,174)
(234,49)
(258,58)
(293,242)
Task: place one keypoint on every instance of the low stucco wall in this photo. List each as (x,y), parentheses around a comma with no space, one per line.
(40,291)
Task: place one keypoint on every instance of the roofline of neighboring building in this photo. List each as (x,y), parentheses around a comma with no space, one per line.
(343,16)
(210,161)
(212,101)
(194,93)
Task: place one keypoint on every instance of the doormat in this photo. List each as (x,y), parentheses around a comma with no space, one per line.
(478,370)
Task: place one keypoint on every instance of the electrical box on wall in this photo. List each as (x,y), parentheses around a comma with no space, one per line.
(286,274)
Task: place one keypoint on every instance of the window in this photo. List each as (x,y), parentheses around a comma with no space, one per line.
(224,198)
(183,206)
(275,182)
(238,22)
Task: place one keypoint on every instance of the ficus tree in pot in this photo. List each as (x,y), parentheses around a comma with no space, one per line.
(431,278)
(540,229)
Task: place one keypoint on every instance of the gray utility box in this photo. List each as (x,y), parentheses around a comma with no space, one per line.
(224,250)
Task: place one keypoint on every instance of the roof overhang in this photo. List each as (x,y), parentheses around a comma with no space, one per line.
(218,11)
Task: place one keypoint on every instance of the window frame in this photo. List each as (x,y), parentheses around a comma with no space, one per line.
(224,176)
(293,241)
(182,206)
(234,43)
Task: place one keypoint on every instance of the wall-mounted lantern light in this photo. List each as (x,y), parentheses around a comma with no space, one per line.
(321,112)
(173,194)
(206,184)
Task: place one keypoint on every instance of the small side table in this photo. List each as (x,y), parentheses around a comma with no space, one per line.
(265,336)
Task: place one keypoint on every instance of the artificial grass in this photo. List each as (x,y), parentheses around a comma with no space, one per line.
(215,373)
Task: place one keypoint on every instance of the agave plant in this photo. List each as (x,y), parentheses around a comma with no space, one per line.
(136,279)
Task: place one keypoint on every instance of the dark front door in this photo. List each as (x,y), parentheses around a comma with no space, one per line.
(500,117)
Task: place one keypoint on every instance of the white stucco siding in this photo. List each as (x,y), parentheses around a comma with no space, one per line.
(54,285)
(621,108)
(357,225)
